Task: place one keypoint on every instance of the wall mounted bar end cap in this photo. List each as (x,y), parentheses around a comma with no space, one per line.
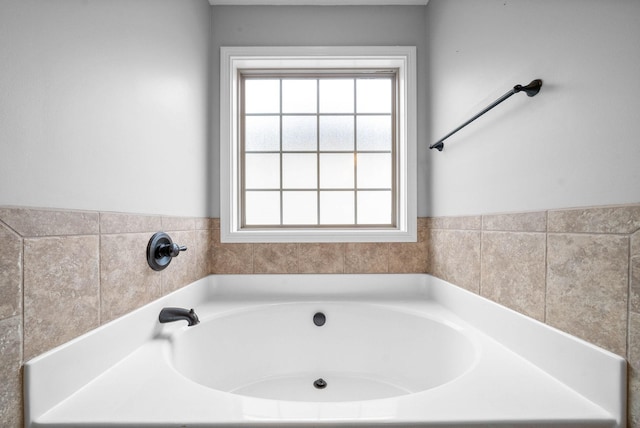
(438,146)
(531,89)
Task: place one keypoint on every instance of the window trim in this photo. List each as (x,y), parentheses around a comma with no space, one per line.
(233,59)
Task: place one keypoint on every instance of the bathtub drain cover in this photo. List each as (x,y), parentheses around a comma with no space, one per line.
(320,384)
(319,319)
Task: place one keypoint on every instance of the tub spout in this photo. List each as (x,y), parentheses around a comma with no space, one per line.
(177,314)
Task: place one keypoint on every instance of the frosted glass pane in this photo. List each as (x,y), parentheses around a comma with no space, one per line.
(299,208)
(262,133)
(374,132)
(374,207)
(374,171)
(299,171)
(336,133)
(336,96)
(262,208)
(262,171)
(299,96)
(373,96)
(262,96)
(299,133)
(336,171)
(337,207)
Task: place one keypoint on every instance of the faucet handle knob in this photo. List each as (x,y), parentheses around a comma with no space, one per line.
(174,249)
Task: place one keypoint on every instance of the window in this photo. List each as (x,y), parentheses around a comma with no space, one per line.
(318,144)
(317,149)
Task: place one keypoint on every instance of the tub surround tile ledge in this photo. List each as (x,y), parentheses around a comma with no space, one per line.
(461,223)
(129,223)
(36,222)
(622,219)
(516,222)
(178,223)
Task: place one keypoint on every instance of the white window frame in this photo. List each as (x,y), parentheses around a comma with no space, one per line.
(234,59)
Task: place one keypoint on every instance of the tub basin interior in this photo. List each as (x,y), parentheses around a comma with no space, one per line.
(362,352)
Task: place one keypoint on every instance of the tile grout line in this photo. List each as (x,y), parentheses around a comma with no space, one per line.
(99,268)
(22,322)
(480,267)
(388,245)
(546,264)
(5,224)
(629,282)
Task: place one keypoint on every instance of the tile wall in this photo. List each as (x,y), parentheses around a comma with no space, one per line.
(320,257)
(63,273)
(577,270)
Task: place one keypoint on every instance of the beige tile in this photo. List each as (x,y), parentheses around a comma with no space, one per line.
(214,223)
(128,223)
(454,255)
(201,249)
(321,258)
(634,285)
(410,257)
(182,268)
(516,222)
(203,223)
(127,281)
(10,376)
(424,222)
(230,258)
(31,222)
(170,224)
(619,219)
(633,398)
(275,258)
(635,244)
(513,271)
(10,273)
(587,286)
(61,290)
(366,258)
(457,223)
(633,359)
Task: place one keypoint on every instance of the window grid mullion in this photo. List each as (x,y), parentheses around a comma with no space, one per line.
(355,154)
(318,152)
(281,159)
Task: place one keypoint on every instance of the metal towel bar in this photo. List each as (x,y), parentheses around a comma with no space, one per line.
(531,89)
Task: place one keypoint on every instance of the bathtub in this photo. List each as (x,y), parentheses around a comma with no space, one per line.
(326,350)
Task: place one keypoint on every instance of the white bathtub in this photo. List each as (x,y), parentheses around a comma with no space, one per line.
(395,350)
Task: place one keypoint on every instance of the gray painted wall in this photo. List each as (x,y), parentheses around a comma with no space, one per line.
(94,95)
(104,105)
(577,143)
